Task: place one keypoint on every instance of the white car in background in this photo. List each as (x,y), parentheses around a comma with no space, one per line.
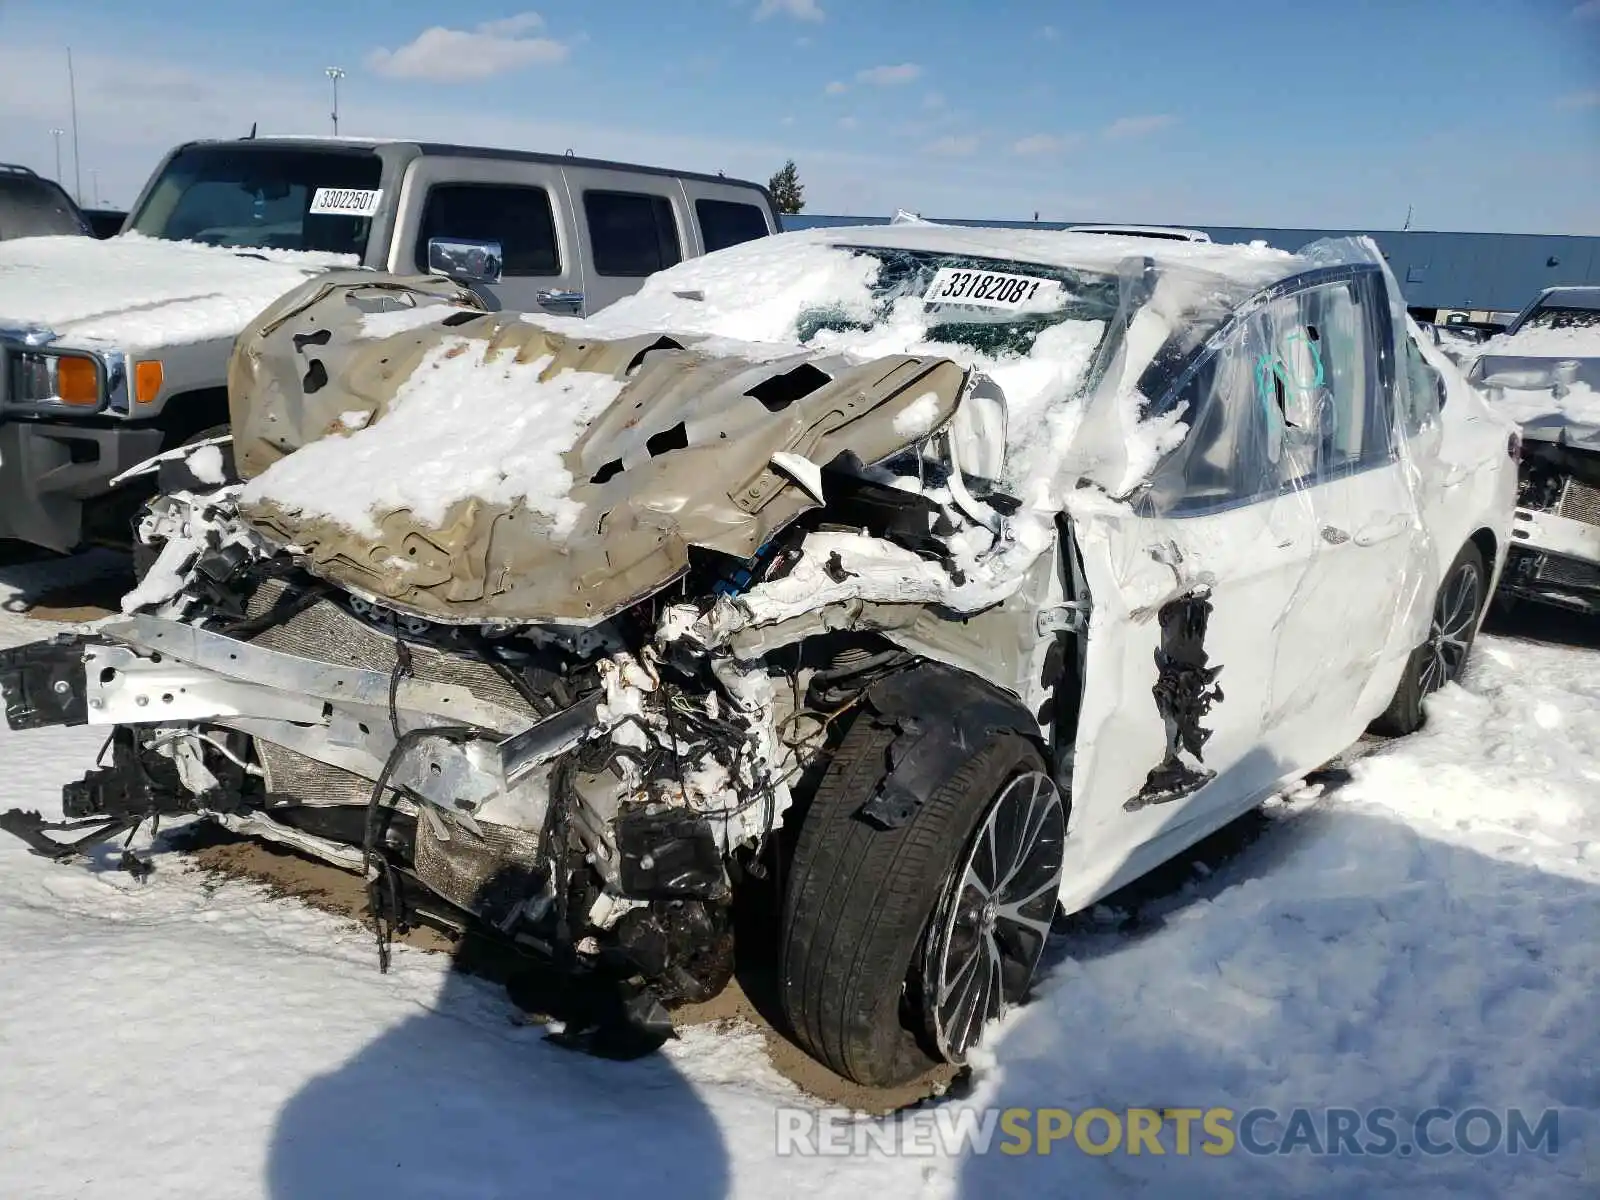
(1543,372)
(919,581)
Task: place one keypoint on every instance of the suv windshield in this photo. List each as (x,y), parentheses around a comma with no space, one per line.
(239,195)
(1563,318)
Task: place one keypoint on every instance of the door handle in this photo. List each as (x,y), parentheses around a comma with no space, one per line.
(554,298)
(1382,531)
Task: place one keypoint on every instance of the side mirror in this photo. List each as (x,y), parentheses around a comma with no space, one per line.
(464,260)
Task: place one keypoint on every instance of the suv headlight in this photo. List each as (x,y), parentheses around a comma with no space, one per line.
(43,377)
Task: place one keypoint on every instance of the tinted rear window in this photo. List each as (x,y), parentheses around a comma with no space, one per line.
(725,223)
(631,233)
(34,207)
(519,218)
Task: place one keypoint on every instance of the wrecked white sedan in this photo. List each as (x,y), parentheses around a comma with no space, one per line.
(928,580)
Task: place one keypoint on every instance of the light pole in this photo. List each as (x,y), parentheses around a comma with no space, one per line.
(56,135)
(335,74)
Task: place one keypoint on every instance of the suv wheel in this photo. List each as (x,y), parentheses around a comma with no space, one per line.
(899,945)
(1440,659)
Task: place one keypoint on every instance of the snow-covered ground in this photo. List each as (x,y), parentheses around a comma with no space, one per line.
(1424,935)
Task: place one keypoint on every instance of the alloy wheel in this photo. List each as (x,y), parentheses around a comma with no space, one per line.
(992,922)
(1450,636)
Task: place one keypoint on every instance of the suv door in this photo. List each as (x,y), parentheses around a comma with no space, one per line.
(522,205)
(634,224)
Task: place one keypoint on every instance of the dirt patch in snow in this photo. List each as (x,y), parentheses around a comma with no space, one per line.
(288,875)
(63,589)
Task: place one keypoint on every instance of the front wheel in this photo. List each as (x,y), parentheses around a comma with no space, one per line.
(1442,657)
(900,945)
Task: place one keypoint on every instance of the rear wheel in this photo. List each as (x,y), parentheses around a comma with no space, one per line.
(1443,656)
(900,945)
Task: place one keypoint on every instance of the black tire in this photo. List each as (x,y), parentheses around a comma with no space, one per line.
(860,900)
(1440,659)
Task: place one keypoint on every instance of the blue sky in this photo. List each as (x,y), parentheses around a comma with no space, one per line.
(1480,115)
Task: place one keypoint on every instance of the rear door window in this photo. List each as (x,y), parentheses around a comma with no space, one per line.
(520,218)
(631,234)
(725,223)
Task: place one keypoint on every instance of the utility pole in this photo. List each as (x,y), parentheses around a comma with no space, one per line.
(94,178)
(335,74)
(55,135)
(77,170)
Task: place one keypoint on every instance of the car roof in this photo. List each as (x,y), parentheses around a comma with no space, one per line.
(32,205)
(1571,297)
(1162,232)
(306,141)
(1251,264)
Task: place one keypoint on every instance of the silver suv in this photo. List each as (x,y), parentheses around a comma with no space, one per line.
(113,350)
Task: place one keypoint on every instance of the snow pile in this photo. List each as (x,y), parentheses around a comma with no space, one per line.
(754,292)
(1538,342)
(1422,936)
(466,423)
(135,293)
(1580,405)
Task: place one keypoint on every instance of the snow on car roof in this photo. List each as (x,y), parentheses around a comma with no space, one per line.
(753,292)
(135,293)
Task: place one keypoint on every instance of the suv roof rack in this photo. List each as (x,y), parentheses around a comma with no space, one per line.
(17,169)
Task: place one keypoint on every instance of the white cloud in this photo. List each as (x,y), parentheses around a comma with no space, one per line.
(955,146)
(848,123)
(1589,99)
(800,10)
(458,55)
(512,26)
(1587,10)
(890,76)
(1040,144)
(1049,33)
(933,100)
(1127,127)
(836,88)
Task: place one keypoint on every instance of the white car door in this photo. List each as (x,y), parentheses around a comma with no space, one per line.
(1330,397)
(1194,575)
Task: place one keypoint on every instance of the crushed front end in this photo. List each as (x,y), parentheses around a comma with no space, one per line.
(1554,557)
(584,792)
(577,742)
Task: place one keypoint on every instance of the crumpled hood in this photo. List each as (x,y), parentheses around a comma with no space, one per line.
(564,477)
(135,293)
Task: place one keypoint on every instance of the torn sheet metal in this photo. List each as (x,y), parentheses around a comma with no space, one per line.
(696,450)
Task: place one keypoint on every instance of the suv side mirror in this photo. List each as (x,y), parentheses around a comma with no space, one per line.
(465,260)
